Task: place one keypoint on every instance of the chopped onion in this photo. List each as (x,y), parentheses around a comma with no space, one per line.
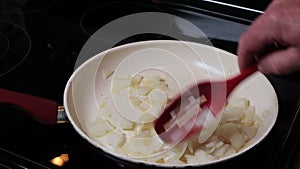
(191,159)
(227,130)
(99,127)
(115,139)
(149,95)
(237,140)
(220,151)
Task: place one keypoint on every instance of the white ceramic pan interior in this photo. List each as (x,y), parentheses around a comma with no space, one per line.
(94,98)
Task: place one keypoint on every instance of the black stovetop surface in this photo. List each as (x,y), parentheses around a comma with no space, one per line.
(39,45)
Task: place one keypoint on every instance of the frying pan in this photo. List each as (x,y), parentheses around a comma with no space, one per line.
(92,83)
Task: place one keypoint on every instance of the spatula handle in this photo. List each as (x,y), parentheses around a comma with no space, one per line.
(41,109)
(231,83)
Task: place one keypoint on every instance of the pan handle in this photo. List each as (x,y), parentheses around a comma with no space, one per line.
(41,109)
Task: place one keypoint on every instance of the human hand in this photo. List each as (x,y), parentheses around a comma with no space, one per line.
(280,25)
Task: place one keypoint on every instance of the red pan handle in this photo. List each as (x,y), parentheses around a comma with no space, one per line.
(41,109)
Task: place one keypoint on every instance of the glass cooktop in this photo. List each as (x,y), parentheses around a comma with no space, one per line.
(40,42)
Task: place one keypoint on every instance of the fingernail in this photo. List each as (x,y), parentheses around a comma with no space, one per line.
(261,68)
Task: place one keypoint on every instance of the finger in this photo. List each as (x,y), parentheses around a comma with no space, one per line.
(256,39)
(280,62)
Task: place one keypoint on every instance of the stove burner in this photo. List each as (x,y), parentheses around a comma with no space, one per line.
(15,45)
(4,46)
(88,19)
(17,6)
(119,25)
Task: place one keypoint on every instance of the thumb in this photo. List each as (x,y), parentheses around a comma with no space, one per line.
(280,62)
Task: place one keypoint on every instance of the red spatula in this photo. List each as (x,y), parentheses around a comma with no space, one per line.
(41,109)
(198,110)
